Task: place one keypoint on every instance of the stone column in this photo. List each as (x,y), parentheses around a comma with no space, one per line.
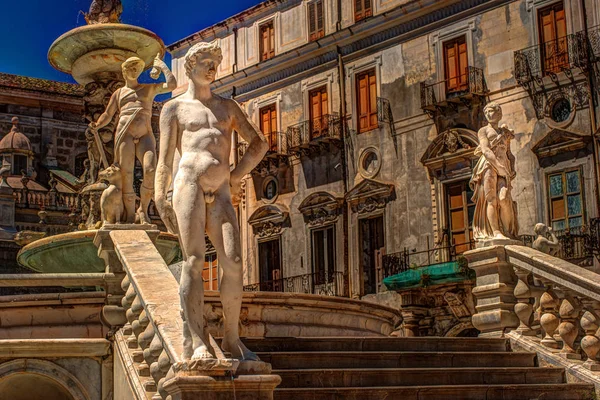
(494,291)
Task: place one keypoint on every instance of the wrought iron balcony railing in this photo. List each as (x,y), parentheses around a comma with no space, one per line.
(328,126)
(396,263)
(277,143)
(552,57)
(330,284)
(452,91)
(577,244)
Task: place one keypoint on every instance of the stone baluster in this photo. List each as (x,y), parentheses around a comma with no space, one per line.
(164,365)
(524,306)
(549,319)
(568,329)
(151,355)
(590,344)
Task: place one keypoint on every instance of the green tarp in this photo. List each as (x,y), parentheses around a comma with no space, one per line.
(435,274)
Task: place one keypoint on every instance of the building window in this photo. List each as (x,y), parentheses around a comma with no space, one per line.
(566,199)
(372,243)
(267,41)
(318,112)
(270,189)
(315,20)
(210,272)
(268,125)
(362,9)
(460,215)
(19,164)
(456,62)
(269,261)
(323,252)
(366,89)
(553,31)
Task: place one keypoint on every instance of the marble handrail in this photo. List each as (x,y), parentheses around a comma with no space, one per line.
(152,306)
(560,272)
(551,300)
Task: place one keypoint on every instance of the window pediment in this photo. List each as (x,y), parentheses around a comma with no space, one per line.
(369,195)
(559,144)
(450,153)
(320,208)
(269,220)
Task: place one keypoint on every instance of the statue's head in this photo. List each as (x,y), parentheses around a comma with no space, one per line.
(493,112)
(540,229)
(201,62)
(133,67)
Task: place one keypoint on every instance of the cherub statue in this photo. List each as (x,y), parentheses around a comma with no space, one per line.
(542,243)
(104,11)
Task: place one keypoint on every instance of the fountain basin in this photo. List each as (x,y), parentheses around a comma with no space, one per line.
(75,252)
(95,52)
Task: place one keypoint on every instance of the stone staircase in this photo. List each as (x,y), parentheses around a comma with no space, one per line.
(410,368)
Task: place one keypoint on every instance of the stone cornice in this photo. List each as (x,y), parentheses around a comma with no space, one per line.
(39,348)
(375,33)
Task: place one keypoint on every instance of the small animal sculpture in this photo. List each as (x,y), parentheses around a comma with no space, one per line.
(542,243)
(111,201)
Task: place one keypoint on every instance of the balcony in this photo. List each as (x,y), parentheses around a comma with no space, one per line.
(577,245)
(314,134)
(450,93)
(328,284)
(550,58)
(276,152)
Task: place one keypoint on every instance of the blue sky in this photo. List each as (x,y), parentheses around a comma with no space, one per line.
(29,27)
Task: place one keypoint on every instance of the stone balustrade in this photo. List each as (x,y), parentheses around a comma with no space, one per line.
(150,343)
(554,302)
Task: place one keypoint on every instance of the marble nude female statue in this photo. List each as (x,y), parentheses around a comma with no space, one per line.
(199,125)
(495,212)
(133,135)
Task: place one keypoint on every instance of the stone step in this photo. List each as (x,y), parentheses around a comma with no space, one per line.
(465,392)
(415,344)
(393,359)
(364,377)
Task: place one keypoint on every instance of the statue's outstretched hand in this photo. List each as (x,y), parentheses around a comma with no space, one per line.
(158,63)
(167,214)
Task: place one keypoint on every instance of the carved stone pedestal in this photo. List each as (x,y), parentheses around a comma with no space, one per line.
(494,291)
(243,387)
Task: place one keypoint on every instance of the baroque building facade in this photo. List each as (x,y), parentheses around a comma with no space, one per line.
(371,109)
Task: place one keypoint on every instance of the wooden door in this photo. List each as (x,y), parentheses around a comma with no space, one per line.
(553,38)
(210,272)
(267,41)
(318,112)
(372,241)
(268,126)
(366,88)
(456,65)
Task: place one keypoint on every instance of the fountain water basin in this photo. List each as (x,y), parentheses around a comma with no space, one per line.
(75,252)
(94,53)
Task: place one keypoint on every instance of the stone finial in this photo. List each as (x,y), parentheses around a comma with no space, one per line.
(15,123)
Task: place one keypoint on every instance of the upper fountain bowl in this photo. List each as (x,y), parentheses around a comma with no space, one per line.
(75,252)
(95,52)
